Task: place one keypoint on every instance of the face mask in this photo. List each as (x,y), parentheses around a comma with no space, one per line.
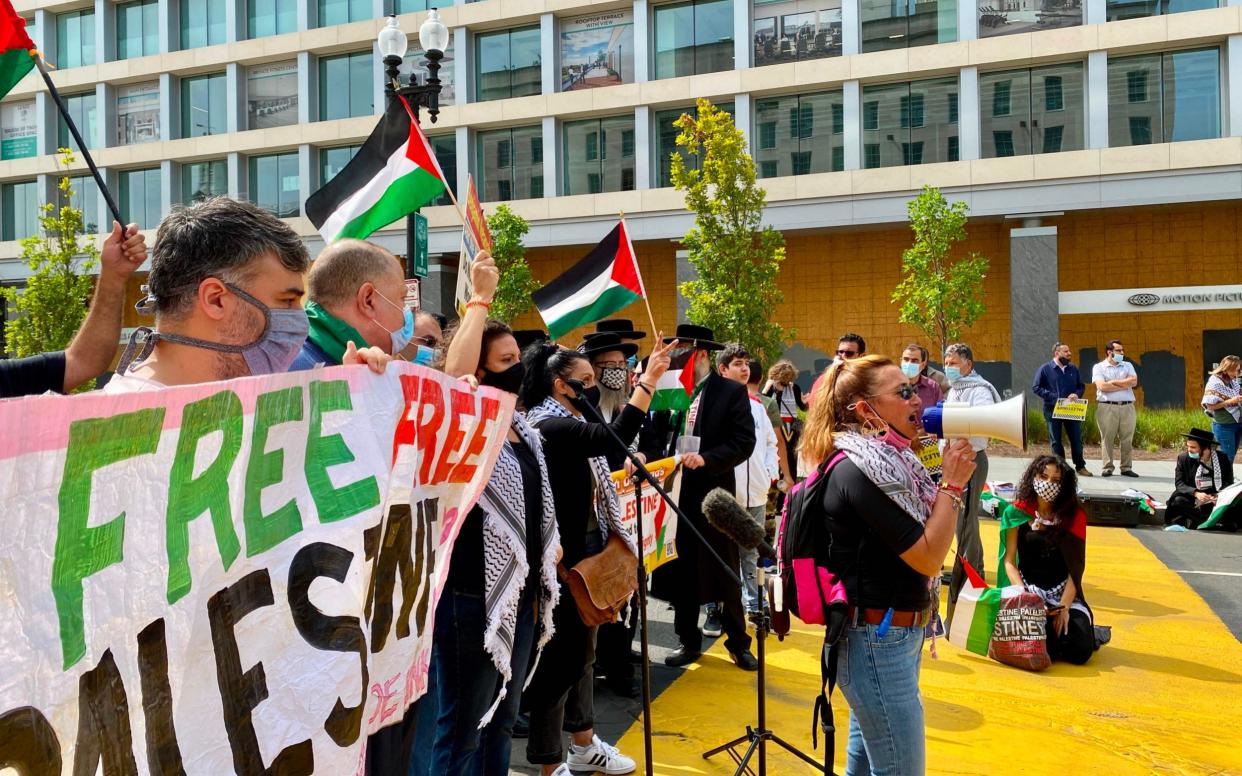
(1119,357)
(508,380)
(632,361)
(1063,361)
(953,373)
(613,378)
(592,395)
(401,337)
(910,370)
(1193,456)
(1047,489)
(423,355)
(894,438)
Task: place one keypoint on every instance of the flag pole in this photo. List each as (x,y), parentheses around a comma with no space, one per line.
(639,272)
(77,137)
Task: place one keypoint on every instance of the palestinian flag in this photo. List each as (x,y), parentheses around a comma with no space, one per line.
(1224,500)
(974,616)
(602,283)
(676,386)
(17,50)
(392,175)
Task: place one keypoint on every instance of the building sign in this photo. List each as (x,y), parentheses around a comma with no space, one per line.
(597,50)
(138,113)
(1153,300)
(18,130)
(272,95)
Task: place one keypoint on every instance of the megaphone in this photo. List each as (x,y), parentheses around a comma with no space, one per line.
(1005,421)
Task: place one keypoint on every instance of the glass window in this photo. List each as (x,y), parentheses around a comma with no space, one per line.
(445,149)
(270,17)
(408,6)
(1131,9)
(343,11)
(510,164)
(140,196)
(19,131)
(1033,111)
(202,23)
(1011,16)
(597,50)
(693,38)
(807,121)
(75,38)
(508,64)
(416,63)
(202,105)
(1164,98)
(272,95)
(203,180)
(595,157)
(81,109)
(19,210)
(666,142)
(275,185)
(914,123)
(790,30)
(84,197)
(898,24)
(138,113)
(137,28)
(346,86)
(333,160)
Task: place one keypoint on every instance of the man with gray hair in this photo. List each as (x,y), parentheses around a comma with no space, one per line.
(967,387)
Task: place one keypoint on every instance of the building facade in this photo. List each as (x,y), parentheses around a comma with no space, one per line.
(1098,144)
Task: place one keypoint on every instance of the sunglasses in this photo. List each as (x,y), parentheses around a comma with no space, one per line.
(905,391)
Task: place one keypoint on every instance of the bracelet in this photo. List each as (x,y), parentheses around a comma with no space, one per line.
(957,501)
(479,303)
(644,387)
(957,490)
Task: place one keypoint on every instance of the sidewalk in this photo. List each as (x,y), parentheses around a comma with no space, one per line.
(1155,477)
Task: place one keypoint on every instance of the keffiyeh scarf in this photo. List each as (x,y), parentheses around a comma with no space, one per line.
(1207,476)
(1217,390)
(505,568)
(896,472)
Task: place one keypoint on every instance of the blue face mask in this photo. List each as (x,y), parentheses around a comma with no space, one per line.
(423,355)
(401,337)
(632,361)
(1119,357)
(953,373)
(1193,456)
(910,370)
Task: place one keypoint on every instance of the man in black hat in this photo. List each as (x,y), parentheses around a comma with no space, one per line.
(719,418)
(1202,472)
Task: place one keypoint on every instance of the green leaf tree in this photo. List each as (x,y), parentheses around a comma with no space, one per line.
(53,304)
(937,294)
(516,282)
(737,258)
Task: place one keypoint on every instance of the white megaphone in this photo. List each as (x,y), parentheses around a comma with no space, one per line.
(1005,421)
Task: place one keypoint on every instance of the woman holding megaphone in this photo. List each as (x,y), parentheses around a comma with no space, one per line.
(889,528)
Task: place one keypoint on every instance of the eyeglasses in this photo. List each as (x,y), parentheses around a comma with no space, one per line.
(847,353)
(905,391)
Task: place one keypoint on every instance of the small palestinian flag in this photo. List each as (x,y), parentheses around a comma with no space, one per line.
(974,615)
(17,50)
(1224,500)
(392,175)
(603,282)
(676,386)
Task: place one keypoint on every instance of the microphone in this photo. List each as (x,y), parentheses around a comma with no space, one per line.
(727,516)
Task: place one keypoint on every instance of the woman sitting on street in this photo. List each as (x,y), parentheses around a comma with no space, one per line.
(1203,471)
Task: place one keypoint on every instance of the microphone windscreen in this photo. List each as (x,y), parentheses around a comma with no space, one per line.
(727,516)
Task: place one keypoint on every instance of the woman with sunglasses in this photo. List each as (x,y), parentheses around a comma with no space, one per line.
(888,529)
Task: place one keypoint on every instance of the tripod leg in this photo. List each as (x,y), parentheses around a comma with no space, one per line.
(819,768)
(734,743)
(743,765)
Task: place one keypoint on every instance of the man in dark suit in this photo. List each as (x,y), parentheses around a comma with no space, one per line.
(719,416)
(1202,472)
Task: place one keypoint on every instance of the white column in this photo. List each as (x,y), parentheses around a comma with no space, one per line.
(47,124)
(463,65)
(235,98)
(551,158)
(105,31)
(1096,11)
(643,154)
(378,94)
(968,19)
(234,21)
(464,158)
(851,93)
(308,170)
(239,185)
(308,15)
(742,36)
(968,115)
(308,87)
(642,40)
(170,25)
(1233,86)
(549,70)
(170,107)
(44,35)
(742,116)
(1097,99)
(105,117)
(170,186)
(851,29)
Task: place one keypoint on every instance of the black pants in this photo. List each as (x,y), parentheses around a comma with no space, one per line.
(389,749)
(612,647)
(566,661)
(732,620)
(1182,510)
(1078,644)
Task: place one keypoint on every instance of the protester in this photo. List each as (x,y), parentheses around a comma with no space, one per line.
(914,367)
(1044,548)
(1222,401)
(587,513)
(1114,379)
(719,419)
(1203,471)
(226,287)
(428,331)
(889,528)
(1059,379)
(786,475)
(968,388)
(753,477)
(93,347)
(788,395)
(355,293)
(851,345)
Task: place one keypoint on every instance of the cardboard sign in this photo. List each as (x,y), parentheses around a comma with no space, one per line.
(474,238)
(234,577)
(659,522)
(1070,409)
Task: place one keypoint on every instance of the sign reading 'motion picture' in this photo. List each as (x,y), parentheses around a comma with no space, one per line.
(1139,300)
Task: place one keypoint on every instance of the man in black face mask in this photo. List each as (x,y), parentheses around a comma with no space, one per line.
(1059,379)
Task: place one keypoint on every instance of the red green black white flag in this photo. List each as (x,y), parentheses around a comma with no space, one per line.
(603,282)
(17,50)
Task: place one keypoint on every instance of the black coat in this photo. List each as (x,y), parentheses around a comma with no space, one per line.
(1184,478)
(726,432)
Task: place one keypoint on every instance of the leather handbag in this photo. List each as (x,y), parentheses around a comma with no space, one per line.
(602,583)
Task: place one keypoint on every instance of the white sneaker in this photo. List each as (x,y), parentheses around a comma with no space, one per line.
(600,757)
(562,770)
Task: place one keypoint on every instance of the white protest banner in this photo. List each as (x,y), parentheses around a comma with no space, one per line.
(659,522)
(231,577)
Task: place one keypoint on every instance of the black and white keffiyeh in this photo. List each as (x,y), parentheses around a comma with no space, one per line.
(1208,475)
(505,568)
(1218,390)
(896,472)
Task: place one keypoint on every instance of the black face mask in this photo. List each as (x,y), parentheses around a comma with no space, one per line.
(592,395)
(509,380)
(1063,361)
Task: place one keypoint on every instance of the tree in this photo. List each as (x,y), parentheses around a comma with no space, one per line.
(516,282)
(53,304)
(939,295)
(736,258)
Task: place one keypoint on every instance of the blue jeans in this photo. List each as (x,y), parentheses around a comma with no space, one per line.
(1073,429)
(463,684)
(880,680)
(749,559)
(1229,435)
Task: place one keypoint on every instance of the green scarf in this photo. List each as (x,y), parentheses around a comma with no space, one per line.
(330,334)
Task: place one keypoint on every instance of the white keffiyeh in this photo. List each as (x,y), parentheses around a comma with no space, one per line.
(896,472)
(1208,476)
(1217,390)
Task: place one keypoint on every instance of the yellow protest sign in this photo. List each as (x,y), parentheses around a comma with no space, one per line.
(928,451)
(659,522)
(1070,409)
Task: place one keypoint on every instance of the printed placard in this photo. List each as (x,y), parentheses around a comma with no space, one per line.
(1070,409)
(659,521)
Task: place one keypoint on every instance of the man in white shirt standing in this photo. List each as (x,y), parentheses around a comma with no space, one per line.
(967,387)
(1114,379)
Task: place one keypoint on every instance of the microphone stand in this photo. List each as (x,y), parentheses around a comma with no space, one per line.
(641,475)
